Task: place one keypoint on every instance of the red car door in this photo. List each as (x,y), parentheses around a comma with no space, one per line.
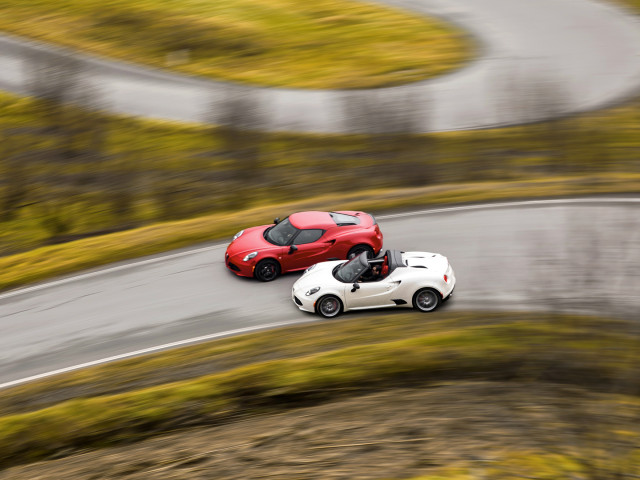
(308,248)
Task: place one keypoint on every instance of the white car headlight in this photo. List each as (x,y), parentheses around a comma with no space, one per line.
(250,256)
(312,291)
(237,234)
(310,268)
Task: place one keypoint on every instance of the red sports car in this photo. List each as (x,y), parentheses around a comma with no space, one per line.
(301,240)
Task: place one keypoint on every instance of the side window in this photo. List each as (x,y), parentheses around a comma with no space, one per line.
(307,236)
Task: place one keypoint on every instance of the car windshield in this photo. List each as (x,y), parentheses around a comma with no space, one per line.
(282,233)
(348,272)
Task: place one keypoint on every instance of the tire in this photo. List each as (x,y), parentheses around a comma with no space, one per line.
(427,300)
(358,249)
(267,270)
(329,306)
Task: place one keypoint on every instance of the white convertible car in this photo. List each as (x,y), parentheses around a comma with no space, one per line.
(421,280)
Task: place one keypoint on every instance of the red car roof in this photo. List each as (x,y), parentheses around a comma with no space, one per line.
(312,219)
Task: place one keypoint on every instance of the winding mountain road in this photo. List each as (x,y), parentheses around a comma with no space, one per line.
(537,59)
(575,255)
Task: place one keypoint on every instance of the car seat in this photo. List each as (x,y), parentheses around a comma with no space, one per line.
(385,267)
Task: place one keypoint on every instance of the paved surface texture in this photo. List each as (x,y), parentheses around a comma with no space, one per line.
(581,256)
(537,59)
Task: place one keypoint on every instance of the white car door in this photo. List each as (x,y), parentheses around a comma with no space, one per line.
(371,294)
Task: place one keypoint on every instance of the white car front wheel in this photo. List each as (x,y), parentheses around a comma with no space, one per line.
(329,306)
(426,300)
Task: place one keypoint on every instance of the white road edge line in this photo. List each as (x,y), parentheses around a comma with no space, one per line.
(84,276)
(157,348)
(523,203)
(480,206)
(269,325)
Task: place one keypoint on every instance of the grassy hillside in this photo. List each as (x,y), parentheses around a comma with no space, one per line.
(259,374)
(320,44)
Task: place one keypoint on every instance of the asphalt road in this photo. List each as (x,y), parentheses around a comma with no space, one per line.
(537,59)
(575,255)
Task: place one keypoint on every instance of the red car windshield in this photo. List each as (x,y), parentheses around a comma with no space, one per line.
(282,233)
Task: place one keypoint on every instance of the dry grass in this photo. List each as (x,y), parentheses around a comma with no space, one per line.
(591,353)
(320,44)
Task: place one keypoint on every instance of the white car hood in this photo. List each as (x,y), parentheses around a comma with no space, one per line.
(319,276)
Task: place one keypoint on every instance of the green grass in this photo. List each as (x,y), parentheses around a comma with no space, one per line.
(318,363)
(234,352)
(320,44)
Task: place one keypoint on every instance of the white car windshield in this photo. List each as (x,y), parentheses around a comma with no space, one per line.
(349,272)
(282,233)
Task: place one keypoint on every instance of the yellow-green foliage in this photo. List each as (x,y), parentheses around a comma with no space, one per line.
(226,354)
(632,4)
(47,262)
(319,44)
(563,350)
(514,462)
(449,473)
(163,171)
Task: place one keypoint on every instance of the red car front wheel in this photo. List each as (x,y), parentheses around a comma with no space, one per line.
(267,270)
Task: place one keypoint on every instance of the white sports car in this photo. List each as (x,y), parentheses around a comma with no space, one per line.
(421,280)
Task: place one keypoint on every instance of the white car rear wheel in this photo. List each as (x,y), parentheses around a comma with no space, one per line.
(329,306)
(426,300)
